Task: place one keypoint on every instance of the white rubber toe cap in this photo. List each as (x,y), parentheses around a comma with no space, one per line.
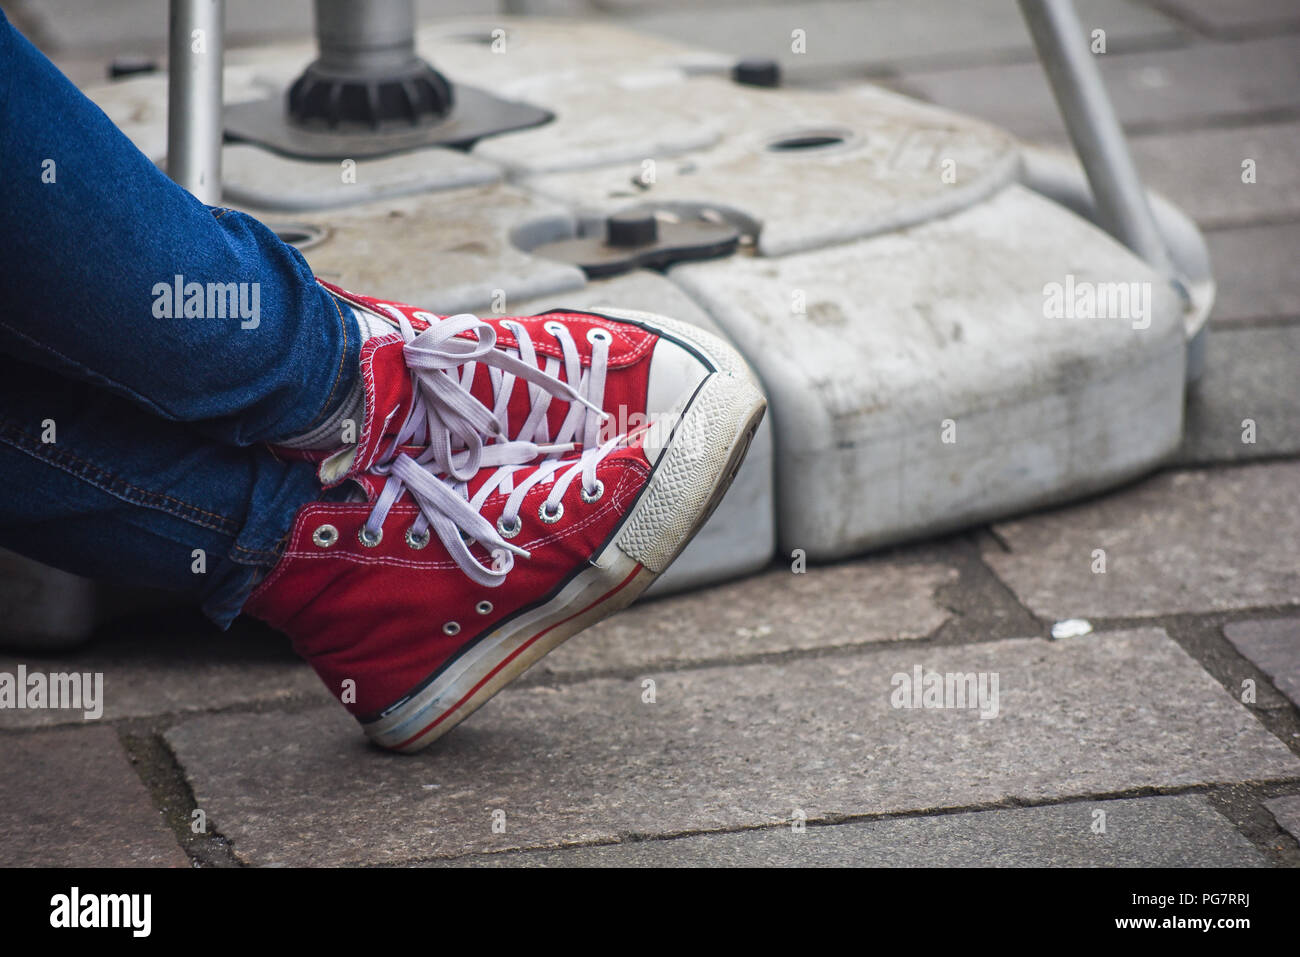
(675,374)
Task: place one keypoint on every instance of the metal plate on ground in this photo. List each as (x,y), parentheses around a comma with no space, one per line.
(475,115)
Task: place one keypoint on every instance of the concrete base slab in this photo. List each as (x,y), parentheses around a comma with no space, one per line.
(887,163)
(253,176)
(452,251)
(899,407)
(42,607)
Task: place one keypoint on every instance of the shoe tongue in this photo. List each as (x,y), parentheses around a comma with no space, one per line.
(521,402)
(373,323)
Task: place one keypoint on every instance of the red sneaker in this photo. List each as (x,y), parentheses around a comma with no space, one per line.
(544,378)
(472,549)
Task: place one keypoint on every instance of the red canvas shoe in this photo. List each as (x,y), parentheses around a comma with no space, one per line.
(632,366)
(471,549)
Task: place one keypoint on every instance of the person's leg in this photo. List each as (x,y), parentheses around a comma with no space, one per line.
(102,489)
(97,243)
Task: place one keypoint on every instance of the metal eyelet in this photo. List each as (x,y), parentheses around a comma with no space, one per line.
(363,536)
(595,493)
(550,518)
(599,335)
(484,607)
(451,628)
(553,327)
(325,536)
(417,541)
(510,531)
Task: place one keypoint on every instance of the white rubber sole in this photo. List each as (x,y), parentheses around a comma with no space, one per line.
(690,477)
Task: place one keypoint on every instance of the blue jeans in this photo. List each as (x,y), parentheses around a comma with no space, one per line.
(131,419)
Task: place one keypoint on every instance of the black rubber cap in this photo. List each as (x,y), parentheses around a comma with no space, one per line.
(633,228)
(419,95)
(757,72)
(131,65)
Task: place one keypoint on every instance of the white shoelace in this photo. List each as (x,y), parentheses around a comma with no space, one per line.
(452,425)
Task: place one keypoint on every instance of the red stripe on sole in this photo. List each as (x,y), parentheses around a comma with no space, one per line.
(514,654)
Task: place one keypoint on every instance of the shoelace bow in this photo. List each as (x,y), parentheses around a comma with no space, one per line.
(460,436)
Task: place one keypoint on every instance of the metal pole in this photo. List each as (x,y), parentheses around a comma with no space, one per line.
(365,39)
(1122,207)
(194,122)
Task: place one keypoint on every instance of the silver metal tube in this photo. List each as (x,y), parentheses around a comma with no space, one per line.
(369,38)
(194,122)
(1122,207)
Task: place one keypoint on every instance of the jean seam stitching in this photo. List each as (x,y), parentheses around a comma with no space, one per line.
(338,376)
(103,479)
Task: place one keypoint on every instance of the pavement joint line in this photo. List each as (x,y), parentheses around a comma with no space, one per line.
(1281,786)
(1243,807)
(293,704)
(1219,465)
(164,779)
(1221,225)
(1257,322)
(1184,18)
(1172,624)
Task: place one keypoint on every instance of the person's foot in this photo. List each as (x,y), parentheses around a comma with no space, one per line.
(471,550)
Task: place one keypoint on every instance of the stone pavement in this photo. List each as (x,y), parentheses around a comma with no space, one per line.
(756,722)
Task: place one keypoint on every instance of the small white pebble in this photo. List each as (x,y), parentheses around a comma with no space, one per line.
(1071,628)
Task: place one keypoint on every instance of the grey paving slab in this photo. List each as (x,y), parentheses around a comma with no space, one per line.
(1167,831)
(1202,172)
(831,606)
(174,672)
(844,35)
(1274,647)
(727,748)
(521,56)
(1250,377)
(1286,811)
(69,798)
(1178,542)
(451,251)
(1237,18)
(1192,85)
(1256,272)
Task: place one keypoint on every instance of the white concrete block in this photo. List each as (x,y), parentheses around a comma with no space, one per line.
(918,385)
(450,251)
(254,176)
(890,162)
